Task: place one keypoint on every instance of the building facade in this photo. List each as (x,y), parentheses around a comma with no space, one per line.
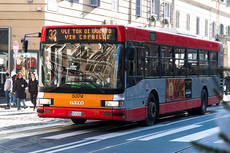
(206,19)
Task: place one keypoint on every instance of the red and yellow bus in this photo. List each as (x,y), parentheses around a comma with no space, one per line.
(113,72)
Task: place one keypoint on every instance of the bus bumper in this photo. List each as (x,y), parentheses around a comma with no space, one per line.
(61,112)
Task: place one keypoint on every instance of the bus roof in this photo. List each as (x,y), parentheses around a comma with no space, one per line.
(138,34)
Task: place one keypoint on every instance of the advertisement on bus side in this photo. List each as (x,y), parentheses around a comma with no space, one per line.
(178,89)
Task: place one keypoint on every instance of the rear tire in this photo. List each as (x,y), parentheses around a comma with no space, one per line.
(78,120)
(204,103)
(152,111)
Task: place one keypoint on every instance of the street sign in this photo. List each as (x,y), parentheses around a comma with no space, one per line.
(15,47)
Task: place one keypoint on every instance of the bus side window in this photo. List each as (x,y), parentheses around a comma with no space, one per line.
(151,60)
(180,61)
(192,62)
(167,65)
(140,63)
(203,62)
(213,62)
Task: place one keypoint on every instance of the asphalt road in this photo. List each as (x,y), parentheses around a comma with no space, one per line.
(25,132)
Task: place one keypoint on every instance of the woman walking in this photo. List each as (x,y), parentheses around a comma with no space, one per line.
(33,89)
(19,88)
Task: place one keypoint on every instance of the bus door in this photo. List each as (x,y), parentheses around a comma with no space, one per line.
(135,69)
(135,59)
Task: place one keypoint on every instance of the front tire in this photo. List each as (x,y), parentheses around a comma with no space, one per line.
(152,111)
(78,120)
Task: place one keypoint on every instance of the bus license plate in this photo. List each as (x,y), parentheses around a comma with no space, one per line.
(74,113)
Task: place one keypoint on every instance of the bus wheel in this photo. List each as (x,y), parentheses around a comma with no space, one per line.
(204,102)
(152,112)
(78,120)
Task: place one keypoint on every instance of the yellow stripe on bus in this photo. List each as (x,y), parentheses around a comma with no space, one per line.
(78,100)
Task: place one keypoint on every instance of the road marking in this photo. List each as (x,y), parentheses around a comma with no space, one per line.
(169,132)
(65,135)
(22,135)
(198,135)
(219,141)
(73,146)
(30,128)
(78,144)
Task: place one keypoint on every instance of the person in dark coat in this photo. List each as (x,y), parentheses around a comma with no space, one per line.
(33,89)
(19,88)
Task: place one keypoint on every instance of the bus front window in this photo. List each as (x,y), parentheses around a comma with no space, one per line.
(81,65)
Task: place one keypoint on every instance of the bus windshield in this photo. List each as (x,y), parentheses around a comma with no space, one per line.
(81,66)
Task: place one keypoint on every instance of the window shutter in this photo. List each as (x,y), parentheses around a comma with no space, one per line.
(221,29)
(94,3)
(206,27)
(74,1)
(228,30)
(138,7)
(171,13)
(157,8)
(213,30)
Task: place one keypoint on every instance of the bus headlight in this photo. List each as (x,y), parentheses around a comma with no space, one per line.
(45,102)
(112,103)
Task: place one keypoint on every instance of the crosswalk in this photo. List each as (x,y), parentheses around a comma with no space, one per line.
(198,135)
(56,129)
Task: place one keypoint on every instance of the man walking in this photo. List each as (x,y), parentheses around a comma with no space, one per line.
(7,87)
(33,89)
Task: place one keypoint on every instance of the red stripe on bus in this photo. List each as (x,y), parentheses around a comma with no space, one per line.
(179,106)
(213,100)
(184,105)
(137,34)
(136,114)
(62,112)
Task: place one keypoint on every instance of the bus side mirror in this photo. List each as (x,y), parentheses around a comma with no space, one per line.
(24,45)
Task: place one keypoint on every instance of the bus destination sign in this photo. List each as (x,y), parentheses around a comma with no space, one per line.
(81,34)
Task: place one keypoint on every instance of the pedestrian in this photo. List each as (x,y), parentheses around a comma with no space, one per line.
(33,89)
(13,95)
(7,87)
(19,88)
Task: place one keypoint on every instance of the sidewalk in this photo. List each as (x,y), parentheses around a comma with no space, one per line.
(3,103)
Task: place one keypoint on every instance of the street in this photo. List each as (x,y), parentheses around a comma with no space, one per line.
(23,132)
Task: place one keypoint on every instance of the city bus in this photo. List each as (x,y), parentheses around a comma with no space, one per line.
(114,72)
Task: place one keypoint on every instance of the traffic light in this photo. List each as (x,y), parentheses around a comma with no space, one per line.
(24,45)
